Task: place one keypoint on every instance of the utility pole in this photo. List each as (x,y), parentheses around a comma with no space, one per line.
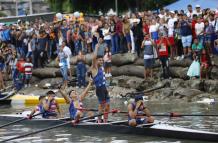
(116,6)
(31,6)
(16,7)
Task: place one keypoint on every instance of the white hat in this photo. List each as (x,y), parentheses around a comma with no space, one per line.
(197,5)
(172,12)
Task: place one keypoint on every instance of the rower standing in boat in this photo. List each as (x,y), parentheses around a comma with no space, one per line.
(75,102)
(97,73)
(137,110)
(52,107)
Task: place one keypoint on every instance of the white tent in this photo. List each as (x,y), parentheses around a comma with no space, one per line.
(182,4)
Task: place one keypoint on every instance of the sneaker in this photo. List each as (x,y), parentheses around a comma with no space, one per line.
(178,58)
(77,87)
(25,85)
(110,75)
(182,57)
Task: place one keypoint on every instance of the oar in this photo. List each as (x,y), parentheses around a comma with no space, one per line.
(56,126)
(172,114)
(19,120)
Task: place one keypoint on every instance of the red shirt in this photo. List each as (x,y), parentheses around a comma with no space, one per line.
(193,29)
(119,27)
(163,48)
(146,28)
(20,66)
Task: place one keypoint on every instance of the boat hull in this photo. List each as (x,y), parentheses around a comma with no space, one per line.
(153,131)
(156,130)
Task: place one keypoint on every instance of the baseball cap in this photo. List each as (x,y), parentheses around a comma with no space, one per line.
(197,5)
(138,97)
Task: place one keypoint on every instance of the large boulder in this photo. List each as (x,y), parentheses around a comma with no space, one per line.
(179,72)
(180,63)
(46,72)
(186,93)
(123,59)
(53,64)
(128,70)
(49,82)
(88,59)
(176,83)
(127,82)
(211,86)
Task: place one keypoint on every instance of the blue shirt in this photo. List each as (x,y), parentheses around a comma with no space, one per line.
(185,29)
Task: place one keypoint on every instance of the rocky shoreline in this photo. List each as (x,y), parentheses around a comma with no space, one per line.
(127,71)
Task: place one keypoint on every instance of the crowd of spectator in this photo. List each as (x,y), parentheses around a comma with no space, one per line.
(167,35)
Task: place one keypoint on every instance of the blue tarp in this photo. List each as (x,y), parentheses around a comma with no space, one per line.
(182,4)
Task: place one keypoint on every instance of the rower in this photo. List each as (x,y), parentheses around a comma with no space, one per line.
(97,73)
(52,107)
(40,107)
(75,101)
(138,113)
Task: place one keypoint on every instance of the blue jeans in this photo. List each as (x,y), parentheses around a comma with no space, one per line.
(200,38)
(20,50)
(78,47)
(113,44)
(29,54)
(64,72)
(81,74)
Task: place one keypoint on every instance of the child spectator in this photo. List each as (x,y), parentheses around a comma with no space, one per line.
(147,45)
(194,69)
(205,63)
(28,72)
(107,62)
(197,47)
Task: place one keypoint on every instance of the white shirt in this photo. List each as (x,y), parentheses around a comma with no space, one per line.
(105,32)
(171,26)
(67,51)
(153,28)
(197,13)
(190,14)
(199,27)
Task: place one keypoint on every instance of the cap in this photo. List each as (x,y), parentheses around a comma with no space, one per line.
(138,97)
(197,5)
(172,12)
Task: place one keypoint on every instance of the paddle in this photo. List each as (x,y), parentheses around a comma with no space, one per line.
(19,120)
(172,114)
(56,126)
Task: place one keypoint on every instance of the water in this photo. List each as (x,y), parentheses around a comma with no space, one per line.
(69,135)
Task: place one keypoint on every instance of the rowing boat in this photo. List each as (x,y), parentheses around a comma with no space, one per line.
(157,129)
(5,96)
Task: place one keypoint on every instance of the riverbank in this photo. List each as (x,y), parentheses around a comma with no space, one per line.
(127,71)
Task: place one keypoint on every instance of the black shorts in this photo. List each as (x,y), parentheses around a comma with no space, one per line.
(102,94)
(107,64)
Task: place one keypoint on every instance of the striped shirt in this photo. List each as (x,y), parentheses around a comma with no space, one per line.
(28,68)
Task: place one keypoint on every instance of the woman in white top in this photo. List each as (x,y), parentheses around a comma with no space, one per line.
(199,30)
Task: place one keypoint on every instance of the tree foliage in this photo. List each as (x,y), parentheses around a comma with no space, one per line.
(93,6)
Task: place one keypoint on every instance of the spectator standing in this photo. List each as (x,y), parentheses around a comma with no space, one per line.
(67,51)
(199,30)
(107,62)
(62,57)
(147,45)
(2,66)
(81,70)
(28,72)
(186,34)
(126,33)
(162,46)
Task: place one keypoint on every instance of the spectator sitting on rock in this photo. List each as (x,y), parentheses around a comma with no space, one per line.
(194,69)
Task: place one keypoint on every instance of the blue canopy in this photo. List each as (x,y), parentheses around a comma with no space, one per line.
(182,4)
